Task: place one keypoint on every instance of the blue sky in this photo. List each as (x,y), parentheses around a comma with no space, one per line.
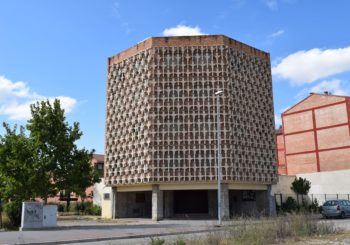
(59,49)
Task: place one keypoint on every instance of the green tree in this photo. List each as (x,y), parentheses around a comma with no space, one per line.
(17,172)
(300,186)
(17,165)
(64,166)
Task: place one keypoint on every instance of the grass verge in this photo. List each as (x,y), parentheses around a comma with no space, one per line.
(277,230)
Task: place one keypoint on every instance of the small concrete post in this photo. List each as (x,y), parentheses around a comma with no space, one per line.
(157,203)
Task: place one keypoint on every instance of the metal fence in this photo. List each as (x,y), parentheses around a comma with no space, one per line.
(321,198)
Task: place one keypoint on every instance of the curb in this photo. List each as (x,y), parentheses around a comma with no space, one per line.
(118,238)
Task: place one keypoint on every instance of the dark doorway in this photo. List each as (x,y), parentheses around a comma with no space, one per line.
(191,202)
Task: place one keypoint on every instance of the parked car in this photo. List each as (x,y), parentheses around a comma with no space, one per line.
(336,208)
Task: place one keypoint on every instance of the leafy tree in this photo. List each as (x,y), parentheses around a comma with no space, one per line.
(17,165)
(44,163)
(300,186)
(64,166)
(17,172)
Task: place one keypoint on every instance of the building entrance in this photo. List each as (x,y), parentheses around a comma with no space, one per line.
(191,202)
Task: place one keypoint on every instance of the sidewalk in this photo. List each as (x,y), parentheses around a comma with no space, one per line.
(91,231)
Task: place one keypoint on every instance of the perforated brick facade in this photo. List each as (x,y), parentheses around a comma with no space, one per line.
(160,123)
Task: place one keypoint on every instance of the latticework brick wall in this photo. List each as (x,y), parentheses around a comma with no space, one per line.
(161,116)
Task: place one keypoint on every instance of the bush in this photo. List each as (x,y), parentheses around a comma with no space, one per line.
(314,207)
(13,211)
(157,241)
(61,207)
(93,210)
(179,242)
(87,208)
(289,205)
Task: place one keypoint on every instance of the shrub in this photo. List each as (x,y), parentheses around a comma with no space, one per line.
(289,205)
(157,241)
(179,242)
(13,211)
(93,210)
(61,207)
(82,207)
(314,207)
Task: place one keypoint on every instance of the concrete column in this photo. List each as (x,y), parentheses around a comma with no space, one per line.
(157,203)
(270,202)
(114,202)
(225,207)
(168,204)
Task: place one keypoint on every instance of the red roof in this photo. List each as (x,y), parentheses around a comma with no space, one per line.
(99,157)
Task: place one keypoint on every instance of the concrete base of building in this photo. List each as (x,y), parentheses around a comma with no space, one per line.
(161,201)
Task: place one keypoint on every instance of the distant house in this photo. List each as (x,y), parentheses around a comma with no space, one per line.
(93,193)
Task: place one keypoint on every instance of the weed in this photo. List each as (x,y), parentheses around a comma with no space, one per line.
(157,241)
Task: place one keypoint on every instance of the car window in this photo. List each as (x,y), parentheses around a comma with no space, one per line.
(331,203)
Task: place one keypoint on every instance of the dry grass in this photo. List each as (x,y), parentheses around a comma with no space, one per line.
(278,230)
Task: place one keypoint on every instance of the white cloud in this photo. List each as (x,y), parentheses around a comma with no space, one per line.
(335,86)
(271,4)
(126,27)
(116,9)
(308,66)
(16,97)
(274,4)
(183,30)
(277,33)
(117,13)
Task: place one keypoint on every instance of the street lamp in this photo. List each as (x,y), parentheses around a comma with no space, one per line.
(218,148)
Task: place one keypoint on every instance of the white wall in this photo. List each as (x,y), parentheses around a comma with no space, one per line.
(99,189)
(333,182)
(324,185)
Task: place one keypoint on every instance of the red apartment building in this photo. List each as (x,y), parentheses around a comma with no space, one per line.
(98,162)
(315,135)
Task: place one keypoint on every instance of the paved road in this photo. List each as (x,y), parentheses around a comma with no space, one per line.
(128,231)
(343,224)
(71,231)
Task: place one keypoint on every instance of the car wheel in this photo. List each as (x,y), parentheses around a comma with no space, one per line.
(342,215)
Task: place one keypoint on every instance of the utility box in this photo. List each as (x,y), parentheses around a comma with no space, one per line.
(36,216)
(50,216)
(32,215)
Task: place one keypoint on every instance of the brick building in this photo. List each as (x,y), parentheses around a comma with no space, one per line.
(161,128)
(315,135)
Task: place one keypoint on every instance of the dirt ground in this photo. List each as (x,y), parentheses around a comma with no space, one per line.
(342,238)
